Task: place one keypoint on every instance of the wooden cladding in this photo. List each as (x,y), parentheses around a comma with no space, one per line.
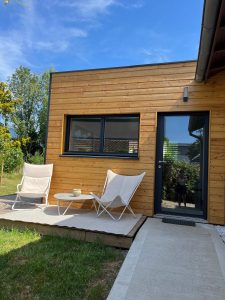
(144,90)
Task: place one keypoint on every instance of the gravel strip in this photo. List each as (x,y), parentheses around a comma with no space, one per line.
(221,231)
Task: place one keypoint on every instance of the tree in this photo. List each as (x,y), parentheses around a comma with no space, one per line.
(7,145)
(4,144)
(7,102)
(42,115)
(30,117)
(24,85)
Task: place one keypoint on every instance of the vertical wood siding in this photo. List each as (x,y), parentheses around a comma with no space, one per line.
(146,90)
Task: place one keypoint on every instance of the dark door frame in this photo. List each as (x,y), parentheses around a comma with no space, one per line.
(159,157)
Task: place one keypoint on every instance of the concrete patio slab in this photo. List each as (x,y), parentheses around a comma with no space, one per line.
(81,219)
(172,262)
(81,224)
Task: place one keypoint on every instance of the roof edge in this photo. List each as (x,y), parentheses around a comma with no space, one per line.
(209,21)
(125,67)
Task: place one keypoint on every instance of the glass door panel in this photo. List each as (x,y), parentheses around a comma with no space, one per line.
(182,164)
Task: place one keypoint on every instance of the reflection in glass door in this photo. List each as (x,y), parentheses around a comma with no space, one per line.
(181,166)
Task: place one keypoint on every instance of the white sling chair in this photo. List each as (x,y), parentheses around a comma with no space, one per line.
(118,191)
(35,183)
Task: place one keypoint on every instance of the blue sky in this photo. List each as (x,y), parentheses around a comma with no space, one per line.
(176,129)
(84,34)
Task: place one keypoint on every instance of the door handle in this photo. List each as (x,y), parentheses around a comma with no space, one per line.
(162,162)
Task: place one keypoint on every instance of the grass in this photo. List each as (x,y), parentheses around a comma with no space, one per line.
(45,267)
(9,183)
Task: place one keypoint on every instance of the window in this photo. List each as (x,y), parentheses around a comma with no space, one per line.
(115,135)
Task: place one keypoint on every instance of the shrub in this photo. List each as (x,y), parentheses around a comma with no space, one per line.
(170,176)
(13,160)
(37,159)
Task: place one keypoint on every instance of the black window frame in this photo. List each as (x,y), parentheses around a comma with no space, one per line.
(102,137)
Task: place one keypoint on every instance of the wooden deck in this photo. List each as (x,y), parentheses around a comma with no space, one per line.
(22,220)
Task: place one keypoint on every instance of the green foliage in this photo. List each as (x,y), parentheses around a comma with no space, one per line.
(171,174)
(37,159)
(6,142)
(11,156)
(7,102)
(4,138)
(169,150)
(24,85)
(13,160)
(42,115)
(30,117)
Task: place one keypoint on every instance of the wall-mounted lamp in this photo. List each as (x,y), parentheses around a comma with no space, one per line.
(185,94)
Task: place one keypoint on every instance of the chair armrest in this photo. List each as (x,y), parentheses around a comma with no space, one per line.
(18,187)
(48,187)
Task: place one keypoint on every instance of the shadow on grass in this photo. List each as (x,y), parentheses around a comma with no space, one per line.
(47,267)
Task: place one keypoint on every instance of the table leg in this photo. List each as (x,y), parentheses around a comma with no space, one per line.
(59,207)
(94,204)
(67,208)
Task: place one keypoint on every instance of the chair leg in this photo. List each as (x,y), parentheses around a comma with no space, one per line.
(121,213)
(110,214)
(100,211)
(126,207)
(14,203)
(131,210)
(46,201)
(104,209)
(40,205)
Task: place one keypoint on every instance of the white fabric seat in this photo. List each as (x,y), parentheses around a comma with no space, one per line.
(117,192)
(35,183)
(31,195)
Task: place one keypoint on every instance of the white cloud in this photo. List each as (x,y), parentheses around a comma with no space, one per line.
(47,30)
(41,26)
(88,8)
(11,55)
(50,46)
(157,55)
(132,4)
(35,32)
(74,32)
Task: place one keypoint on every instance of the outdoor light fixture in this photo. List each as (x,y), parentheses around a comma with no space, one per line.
(185,94)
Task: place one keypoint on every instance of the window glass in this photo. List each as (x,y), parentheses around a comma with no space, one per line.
(103,135)
(85,135)
(121,135)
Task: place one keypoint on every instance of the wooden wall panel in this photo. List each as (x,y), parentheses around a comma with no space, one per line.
(146,90)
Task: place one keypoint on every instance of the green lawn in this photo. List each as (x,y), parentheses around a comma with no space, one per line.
(9,183)
(45,267)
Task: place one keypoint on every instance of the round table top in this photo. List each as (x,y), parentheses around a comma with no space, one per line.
(71,197)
